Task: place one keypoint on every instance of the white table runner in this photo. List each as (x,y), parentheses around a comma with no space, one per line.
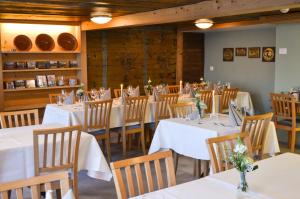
(188,138)
(276,178)
(17,160)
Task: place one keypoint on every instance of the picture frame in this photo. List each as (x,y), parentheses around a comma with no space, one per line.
(254,52)
(31,64)
(30,83)
(41,81)
(228,54)
(19,84)
(53,64)
(268,54)
(51,80)
(240,52)
(10,85)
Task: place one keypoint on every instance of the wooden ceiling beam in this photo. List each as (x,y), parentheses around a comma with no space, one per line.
(205,9)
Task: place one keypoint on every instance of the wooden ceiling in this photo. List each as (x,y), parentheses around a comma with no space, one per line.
(84,8)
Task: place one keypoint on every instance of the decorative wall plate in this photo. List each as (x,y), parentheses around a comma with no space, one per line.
(67,41)
(268,54)
(44,42)
(22,43)
(227,54)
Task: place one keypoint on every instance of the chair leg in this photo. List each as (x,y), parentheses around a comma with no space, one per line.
(143,142)
(176,157)
(129,141)
(107,143)
(293,141)
(58,194)
(124,143)
(75,185)
(197,168)
(289,138)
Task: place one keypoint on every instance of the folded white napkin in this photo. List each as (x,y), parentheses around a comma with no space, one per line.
(106,95)
(135,92)
(70,98)
(235,116)
(69,195)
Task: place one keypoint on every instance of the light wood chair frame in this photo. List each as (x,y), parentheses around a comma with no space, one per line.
(284,108)
(19,118)
(180,110)
(67,161)
(34,184)
(228,94)
(117,92)
(97,117)
(173,89)
(207,97)
(219,153)
(136,163)
(134,112)
(257,127)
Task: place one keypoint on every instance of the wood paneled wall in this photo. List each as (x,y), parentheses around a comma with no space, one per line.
(131,56)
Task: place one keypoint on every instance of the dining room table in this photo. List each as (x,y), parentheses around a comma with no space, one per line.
(188,137)
(73,114)
(276,178)
(17,159)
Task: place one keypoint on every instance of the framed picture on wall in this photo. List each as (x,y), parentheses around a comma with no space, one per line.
(240,51)
(254,52)
(268,54)
(228,54)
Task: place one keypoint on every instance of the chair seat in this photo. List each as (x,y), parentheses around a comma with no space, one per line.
(289,122)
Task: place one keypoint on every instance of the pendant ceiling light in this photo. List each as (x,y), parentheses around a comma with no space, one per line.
(204,23)
(102,19)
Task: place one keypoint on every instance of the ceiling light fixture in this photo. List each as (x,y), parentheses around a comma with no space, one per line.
(101,19)
(284,10)
(204,23)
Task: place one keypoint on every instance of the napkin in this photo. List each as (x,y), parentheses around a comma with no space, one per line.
(70,98)
(106,95)
(155,94)
(192,93)
(187,88)
(135,92)
(235,116)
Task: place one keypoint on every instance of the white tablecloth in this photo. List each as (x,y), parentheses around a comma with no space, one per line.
(17,160)
(276,178)
(188,138)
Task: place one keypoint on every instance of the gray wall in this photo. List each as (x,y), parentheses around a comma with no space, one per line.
(250,75)
(287,66)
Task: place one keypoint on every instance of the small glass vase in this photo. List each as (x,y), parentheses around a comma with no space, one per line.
(243,186)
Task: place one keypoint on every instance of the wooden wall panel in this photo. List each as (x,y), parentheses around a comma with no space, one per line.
(131,56)
(193,57)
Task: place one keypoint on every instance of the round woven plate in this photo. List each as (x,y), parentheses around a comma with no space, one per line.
(67,41)
(44,42)
(22,43)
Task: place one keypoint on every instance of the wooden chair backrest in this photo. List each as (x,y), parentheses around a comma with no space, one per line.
(173,89)
(162,106)
(34,184)
(97,115)
(19,118)
(135,109)
(284,107)
(228,95)
(207,97)
(180,110)
(257,127)
(53,97)
(136,163)
(117,92)
(220,148)
(57,150)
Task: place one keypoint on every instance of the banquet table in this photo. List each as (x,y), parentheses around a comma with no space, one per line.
(17,160)
(276,178)
(74,114)
(188,137)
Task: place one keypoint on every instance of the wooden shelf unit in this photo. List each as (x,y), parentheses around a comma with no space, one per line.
(29,98)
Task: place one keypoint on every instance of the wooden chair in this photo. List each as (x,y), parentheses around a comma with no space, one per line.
(57,150)
(19,118)
(257,127)
(53,97)
(117,92)
(207,97)
(180,110)
(284,109)
(174,89)
(34,184)
(133,120)
(227,96)
(137,163)
(161,107)
(97,120)
(219,149)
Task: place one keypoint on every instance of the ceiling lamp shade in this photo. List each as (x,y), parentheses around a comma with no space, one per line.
(204,23)
(101,19)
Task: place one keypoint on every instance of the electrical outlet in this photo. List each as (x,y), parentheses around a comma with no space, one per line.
(211,68)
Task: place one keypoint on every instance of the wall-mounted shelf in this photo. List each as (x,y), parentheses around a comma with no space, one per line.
(37,88)
(40,52)
(40,70)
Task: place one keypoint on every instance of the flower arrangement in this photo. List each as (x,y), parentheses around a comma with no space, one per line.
(80,91)
(148,87)
(242,162)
